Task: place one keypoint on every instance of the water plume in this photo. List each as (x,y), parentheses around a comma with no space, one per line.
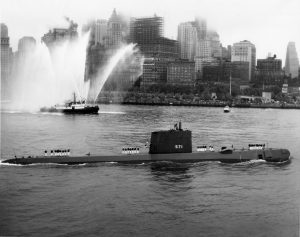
(124,57)
(45,78)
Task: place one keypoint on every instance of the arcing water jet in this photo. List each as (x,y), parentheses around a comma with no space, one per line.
(43,78)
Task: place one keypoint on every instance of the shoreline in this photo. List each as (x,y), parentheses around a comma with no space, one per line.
(251,106)
(176,100)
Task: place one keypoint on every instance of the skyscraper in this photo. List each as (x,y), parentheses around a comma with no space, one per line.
(199,44)
(291,60)
(6,61)
(26,47)
(187,39)
(245,51)
(201,27)
(58,35)
(26,44)
(215,46)
(100,28)
(114,31)
(157,50)
(269,71)
(146,30)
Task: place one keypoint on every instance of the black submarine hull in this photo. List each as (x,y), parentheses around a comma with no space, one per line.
(269,155)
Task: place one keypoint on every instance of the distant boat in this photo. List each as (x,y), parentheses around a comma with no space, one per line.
(226,109)
(74,107)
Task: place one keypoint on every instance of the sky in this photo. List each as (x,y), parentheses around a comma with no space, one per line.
(269,24)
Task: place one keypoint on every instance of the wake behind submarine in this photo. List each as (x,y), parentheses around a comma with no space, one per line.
(166,145)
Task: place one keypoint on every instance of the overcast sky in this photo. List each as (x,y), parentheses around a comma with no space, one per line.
(269,24)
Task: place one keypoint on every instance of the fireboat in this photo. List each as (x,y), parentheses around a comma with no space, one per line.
(73,107)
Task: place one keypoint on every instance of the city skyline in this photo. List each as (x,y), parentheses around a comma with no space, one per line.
(269,27)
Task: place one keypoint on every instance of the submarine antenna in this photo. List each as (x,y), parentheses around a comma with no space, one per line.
(14,153)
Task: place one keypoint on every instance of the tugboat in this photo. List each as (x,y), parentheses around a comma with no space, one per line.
(73,107)
(167,145)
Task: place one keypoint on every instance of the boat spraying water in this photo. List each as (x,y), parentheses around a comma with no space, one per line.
(43,78)
(73,107)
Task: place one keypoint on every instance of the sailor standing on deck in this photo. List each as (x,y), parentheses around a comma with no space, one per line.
(46,153)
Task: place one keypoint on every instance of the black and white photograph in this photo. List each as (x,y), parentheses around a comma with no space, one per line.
(150,118)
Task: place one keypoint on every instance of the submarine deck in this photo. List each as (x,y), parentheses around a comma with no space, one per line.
(272,155)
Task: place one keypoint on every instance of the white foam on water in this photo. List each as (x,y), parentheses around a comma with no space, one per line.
(8,164)
(110,112)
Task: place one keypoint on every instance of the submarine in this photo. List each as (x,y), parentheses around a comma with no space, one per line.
(165,145)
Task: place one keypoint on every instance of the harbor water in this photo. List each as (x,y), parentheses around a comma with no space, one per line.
(164,199)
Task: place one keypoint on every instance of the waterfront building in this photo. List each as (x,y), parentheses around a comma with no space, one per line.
(187,39)
(269,71)
(217,72)
(6,61)
(240,72)
(181,72)
(244,51)
(292,61)
(266,97)
(58,35)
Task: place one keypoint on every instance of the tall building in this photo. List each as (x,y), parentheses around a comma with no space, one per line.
(58,35)
(157,57)
(291,60)
(100,31)
(245,51)
(187,39)
(269,71)
(147,33)
(199,44)
(6,61)
(114,31)
(215,45)
(144,31)
(26,45)
(201,27)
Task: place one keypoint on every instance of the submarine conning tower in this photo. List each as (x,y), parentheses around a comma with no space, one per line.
(174,140)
